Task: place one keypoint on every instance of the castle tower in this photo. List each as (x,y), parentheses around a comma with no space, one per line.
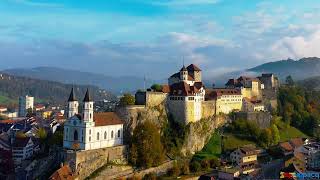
(88,107)
(183,74)
(73,104)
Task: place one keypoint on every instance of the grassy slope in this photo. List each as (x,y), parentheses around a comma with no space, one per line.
(212,149)
(287,133)
(231,142)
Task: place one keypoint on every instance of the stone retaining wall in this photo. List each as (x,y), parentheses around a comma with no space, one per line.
(84,163)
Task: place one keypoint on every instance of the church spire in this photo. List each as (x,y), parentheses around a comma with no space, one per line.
(87,97)
(72,96)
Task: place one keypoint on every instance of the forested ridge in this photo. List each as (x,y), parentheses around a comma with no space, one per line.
(11,87)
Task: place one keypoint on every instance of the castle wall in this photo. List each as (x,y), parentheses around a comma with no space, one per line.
(208,109)
(178,109)
(155,98)
(84,163)
(263,119)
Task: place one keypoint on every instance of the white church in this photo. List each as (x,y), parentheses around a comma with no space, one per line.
(90,130)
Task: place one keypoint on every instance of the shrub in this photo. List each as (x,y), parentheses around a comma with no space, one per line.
(214,163)
(150,176)
(205,164)
(195,166)
(174,171)
(185,168)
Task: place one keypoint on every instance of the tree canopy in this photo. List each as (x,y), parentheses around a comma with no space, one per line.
(146,149)
(127,99)
(157,87)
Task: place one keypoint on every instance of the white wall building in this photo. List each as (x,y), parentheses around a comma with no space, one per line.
(25,103)
(23,148)
(91,130)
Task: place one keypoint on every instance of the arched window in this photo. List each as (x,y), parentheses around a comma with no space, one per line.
(75,135)
(111,134)
(98,136)
(105,135)
(119,134)
(90,115)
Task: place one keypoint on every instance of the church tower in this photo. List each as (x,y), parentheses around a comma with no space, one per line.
(88,107)
(184,74)
(73,104)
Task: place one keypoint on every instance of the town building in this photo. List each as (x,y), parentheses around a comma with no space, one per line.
(186,94)
(269,81)
(252,105)
(228,173)
(90,130)
(24,148)
(63,173)
(227,99)
(25,103)
(245,158)
(250,87)
(309,156)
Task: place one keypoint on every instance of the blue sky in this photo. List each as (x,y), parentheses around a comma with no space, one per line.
(137,37)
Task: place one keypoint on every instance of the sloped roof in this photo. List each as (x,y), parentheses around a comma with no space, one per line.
(184,89)
(64,173)
(286,146)
(72,96)
(106,118)
(193,67)
(214,93)
(87,97)
(165,88)
(296,142)
(21,142)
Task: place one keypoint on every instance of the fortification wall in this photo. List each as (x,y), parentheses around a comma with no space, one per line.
(208,109)
(84,163)
(155,98)
(178,110)
(263,119)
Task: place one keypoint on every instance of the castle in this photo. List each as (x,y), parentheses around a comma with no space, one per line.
(186,94)
(188,100)
(90,130)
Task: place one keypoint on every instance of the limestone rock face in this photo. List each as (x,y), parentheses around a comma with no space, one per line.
(197,135)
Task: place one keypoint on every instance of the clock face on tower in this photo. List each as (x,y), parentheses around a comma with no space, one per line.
(74,122)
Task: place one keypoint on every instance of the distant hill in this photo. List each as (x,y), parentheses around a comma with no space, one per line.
(312,83)
(11,87)
(113,84)
(298,69)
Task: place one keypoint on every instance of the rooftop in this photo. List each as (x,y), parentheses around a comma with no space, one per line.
(106,118)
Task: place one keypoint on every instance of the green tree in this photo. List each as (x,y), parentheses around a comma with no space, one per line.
(157,87)
(275,134)
(289,81)
(146,148)
(127,99)
(41,134)
(265,138)
(195,166)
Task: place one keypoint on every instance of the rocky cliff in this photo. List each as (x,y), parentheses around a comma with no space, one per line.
(196,134)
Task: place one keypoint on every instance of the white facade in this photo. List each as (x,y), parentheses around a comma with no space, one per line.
(87,133)
(25,103)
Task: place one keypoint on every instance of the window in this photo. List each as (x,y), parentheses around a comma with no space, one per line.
(111,134)
(119,134)
(90,131)
(90,115)
(105,135)
(98,136)
(75,135)
(89,139)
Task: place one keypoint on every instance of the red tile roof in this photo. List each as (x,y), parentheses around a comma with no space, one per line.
(296,142)
(64,173)
(193,67)
(106,118)
(286,146)
(214,93)
(184,89)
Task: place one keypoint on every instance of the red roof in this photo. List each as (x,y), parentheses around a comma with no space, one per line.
(106,118)
(214,93)
(193,67)
(184,89)
(296,142)
(286,146)
(64,173)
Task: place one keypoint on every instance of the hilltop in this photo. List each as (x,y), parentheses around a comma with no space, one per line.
(298,69)
(11,87)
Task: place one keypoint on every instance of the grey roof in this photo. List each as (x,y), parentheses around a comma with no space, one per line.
(87,97)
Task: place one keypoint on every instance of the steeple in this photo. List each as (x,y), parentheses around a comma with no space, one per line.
(87,97)
(72,96)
